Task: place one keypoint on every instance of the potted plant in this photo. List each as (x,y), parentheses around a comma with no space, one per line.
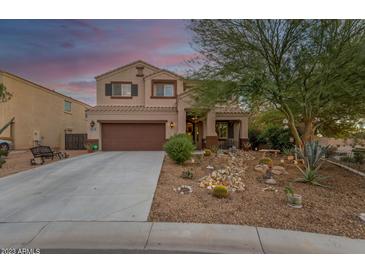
(288,152)
(89,148)
(294,200)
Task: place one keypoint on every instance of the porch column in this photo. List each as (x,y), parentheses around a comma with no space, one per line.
(211,138)
(244,131)
(181,121)
(236,133)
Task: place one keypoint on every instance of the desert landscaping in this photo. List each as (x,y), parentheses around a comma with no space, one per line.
(333,209)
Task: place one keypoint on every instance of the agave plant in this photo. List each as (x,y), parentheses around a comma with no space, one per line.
(311,176)
(312,155)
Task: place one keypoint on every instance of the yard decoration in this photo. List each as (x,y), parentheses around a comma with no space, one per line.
(294,200)
(179,148)
(184,189)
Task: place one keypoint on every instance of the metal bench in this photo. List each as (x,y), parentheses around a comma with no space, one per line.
(44,152)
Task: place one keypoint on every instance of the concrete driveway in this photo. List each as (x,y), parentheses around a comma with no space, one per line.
(104,186)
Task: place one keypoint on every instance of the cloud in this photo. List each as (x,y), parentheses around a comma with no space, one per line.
(67,54)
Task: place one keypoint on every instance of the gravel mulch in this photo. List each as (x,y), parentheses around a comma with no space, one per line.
(332,210)
(19,160)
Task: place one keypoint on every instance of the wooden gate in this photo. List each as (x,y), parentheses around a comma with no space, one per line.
(75,141)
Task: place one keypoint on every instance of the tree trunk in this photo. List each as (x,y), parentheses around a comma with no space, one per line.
(308,131)
(293,129)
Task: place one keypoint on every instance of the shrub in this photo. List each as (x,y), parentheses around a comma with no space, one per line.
(331,151)
(347,159)
(255,138)
(265,161)
(4,153)
(277,137)
(2,161)
(179,148)
(187,174)
(214,148)
(220,192)
(358,157)
(207,152)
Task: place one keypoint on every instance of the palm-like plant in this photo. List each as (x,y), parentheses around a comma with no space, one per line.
(312,154)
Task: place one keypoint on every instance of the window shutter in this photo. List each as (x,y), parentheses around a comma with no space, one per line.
(134,90)
(108,89)
(230,131)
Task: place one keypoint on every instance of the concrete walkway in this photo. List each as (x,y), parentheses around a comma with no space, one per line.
(103,186)
(146,237)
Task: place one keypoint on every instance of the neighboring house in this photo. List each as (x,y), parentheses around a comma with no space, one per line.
(139,106)
(42,116)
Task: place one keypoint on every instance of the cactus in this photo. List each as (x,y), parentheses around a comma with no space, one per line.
(220,192)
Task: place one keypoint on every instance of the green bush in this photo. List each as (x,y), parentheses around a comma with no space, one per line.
(220,192)
(358,157)
(207,152)
(347,159)
(2,161)
(265,161)
(187,174)
(4,153)
(277,137)
(274,137)
(179,148)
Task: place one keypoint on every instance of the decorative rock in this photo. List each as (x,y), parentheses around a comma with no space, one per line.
(278,170)
(270,181)
(270,188)
(184,189)
(362,216)
(261,168)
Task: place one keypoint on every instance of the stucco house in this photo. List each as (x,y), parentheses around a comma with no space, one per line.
(42,116)
(139,106)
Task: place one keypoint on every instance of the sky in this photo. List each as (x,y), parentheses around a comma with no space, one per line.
(66,55)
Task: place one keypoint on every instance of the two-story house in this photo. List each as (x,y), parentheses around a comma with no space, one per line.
(41,115)
(139,106)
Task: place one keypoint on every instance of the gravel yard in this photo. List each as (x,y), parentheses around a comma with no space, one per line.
(331,210)
(19,160)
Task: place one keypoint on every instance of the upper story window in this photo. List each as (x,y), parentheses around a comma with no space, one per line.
(164,89)
(67,106)
(122,89)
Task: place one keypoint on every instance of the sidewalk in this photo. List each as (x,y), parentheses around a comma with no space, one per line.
(146,237)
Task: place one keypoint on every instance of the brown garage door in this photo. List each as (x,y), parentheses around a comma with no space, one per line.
(133,136)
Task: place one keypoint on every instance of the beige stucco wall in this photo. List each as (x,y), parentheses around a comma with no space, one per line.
(39,109)
(128,74)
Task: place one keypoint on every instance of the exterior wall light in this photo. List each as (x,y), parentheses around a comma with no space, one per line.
(172,124)
(92,124)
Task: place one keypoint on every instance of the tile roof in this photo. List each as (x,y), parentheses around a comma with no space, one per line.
(233,110)
(136,108)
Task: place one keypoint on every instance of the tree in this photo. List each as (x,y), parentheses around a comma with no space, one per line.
(312,71)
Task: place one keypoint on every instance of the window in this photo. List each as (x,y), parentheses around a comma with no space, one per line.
(120,89)
(222,130)
(163,90)
(67,106)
